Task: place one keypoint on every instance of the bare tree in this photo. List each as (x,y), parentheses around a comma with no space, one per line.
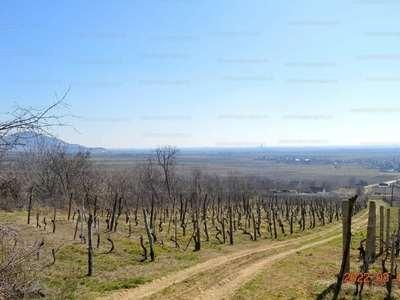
(37,121)
(352,181)
(55,173)
(25,127)
(71,171)
(166,157)
(150,178)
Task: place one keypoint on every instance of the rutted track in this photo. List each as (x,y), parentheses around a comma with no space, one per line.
(243,266)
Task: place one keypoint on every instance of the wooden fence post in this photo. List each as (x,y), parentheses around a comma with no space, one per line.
(381,227)
(69,205)
(113,212)
(345,219)
(29,208)
(82,219)
(90,246)
(54,217)
(230,225)
(398,224)
(371,229)
(390,283)
(346,249)
(387,228)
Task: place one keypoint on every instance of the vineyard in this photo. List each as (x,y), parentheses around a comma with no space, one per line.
(128,243)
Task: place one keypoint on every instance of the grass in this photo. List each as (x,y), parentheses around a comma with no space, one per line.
(295,277)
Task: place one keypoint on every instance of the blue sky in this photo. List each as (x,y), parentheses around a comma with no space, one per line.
(207,73)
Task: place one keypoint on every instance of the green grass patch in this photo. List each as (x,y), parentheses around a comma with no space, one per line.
(122,284)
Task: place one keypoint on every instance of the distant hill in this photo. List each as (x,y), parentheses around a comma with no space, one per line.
(31,140)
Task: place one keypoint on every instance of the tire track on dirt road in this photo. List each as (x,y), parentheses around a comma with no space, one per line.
(238,276)
(240,272)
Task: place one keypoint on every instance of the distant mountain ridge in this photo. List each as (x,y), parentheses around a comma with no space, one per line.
(31,140)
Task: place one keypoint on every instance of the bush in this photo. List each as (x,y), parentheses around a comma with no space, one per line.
(18,267)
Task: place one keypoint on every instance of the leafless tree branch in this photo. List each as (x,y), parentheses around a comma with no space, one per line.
(31,119)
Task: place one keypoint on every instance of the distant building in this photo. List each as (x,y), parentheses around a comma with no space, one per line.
(384,184)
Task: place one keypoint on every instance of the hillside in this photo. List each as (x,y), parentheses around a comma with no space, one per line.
(29,140)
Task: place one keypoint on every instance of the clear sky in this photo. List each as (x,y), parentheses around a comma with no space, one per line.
(193,73)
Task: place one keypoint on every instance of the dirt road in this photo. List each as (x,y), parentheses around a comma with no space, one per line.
(241,266)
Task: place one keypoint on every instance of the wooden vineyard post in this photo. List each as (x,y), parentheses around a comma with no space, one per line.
(204,218)
(29,208)
(254,227)
(54,217)
(78,219)
(90,246)
(345,209)
(381,228)
(398,232)
(390,283)
(37,220)
(370,244)
(274,222)
(98,232)
(69,206)
(95,211)
(113,212)
(391,198)
(373,246)
(387,228)
(223,229)
(118,214)
(230,225)
(197,241)
(371,230)
(346,248)
(152,212)
(176,230)
(82,219)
